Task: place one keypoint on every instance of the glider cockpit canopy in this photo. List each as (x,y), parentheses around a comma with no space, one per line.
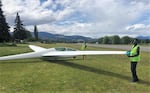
(65,49)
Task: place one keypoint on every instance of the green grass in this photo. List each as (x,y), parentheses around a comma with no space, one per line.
(95,74)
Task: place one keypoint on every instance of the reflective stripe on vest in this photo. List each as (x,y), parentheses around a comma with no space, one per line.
(134,52)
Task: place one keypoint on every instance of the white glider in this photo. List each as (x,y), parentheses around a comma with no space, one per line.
(57,52)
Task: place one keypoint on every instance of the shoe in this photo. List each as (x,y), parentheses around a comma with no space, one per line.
(135,80)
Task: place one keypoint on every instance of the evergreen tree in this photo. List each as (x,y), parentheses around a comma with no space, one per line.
(20,33)
(4,28)
(36,33)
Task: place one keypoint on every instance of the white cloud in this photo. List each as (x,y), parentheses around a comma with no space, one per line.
(64,13)
(99,17)
(47,3)
(138,27)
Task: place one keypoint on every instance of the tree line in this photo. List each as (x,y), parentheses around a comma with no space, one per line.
(19,33)
(119,40)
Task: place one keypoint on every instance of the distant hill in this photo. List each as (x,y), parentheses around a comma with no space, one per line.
(143,37)
(63,38)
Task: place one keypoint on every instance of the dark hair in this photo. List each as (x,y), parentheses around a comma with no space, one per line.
(135,41)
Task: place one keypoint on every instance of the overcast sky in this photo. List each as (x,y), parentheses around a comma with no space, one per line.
(93,18)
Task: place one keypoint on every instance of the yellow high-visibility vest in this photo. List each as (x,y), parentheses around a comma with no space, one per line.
(133,52)
(83,47)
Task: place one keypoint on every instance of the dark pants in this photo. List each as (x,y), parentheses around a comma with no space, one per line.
(133,70)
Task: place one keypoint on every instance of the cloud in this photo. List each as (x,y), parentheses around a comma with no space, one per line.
(138,30)
(138,27)
(33,12)
(92,18)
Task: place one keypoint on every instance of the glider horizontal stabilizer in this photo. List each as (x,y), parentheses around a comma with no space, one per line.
(36,48)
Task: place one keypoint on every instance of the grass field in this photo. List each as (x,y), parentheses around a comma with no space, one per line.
(95,74)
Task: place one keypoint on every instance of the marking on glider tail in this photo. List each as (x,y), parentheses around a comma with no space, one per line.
(36,48)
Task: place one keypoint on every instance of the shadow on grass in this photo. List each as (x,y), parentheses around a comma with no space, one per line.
(95,70)
(82,67)
(7,45)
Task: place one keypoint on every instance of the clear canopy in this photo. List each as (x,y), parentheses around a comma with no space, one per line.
(65,49)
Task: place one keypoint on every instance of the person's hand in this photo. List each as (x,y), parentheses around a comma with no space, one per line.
(128,53)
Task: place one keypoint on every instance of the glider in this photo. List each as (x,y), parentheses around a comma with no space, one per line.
(57,52)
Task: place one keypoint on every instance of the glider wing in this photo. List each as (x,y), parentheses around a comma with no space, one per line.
(36,48)
(77,53)
(21,56)
(43,52)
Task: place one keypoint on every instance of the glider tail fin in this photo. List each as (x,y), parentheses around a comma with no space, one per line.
(36,48)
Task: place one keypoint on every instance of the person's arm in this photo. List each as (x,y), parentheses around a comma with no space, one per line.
(137,52)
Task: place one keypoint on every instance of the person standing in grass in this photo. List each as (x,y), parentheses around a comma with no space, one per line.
(83,47)
(134,55)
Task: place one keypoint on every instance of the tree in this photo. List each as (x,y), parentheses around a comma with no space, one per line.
(36,33)
(4,28)
(100,40)
(125,40)
(115,39)
(20,33)
(106,40)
